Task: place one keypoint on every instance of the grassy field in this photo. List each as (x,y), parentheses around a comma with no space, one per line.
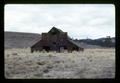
(92,63)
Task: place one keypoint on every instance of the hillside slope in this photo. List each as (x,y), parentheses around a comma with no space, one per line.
(20,40)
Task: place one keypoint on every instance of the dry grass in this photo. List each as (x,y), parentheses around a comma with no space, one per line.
(92,63)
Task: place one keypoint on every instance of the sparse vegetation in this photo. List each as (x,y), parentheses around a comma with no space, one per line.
(92,63)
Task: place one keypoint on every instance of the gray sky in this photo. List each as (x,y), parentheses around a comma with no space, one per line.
(79,20)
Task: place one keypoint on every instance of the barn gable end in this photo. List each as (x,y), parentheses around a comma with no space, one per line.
(55,40)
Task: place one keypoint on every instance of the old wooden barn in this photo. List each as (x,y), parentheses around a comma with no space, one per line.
(56,40)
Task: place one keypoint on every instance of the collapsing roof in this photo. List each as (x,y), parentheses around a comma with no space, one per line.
(56,39)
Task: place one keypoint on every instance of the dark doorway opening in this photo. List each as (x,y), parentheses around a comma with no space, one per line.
(54,43)
(65,47)
(46,48)
(75,49)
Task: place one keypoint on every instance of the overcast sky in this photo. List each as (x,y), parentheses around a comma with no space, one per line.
(79,20)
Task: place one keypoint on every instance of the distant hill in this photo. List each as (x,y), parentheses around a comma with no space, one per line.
(86,45)
(20,40)
(103,42)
